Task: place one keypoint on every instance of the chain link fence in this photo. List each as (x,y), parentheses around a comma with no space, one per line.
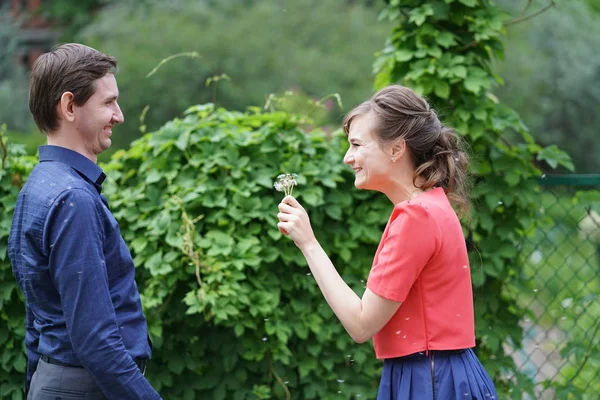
(561,343)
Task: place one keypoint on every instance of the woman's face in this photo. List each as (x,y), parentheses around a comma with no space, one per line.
(372,165)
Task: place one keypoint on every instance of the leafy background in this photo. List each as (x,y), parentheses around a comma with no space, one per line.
(230,308)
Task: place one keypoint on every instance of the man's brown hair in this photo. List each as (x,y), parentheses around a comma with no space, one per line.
(70,67)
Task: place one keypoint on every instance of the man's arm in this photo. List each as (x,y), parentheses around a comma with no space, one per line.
(32,338)
(75,232)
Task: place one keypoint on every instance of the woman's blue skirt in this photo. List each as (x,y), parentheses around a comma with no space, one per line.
(441,375)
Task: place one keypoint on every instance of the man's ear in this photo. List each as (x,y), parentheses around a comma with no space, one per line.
(398,149)
(66,106)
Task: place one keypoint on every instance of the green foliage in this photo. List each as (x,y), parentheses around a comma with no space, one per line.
(552,90)
(13,79)
(231,310)
(562,260)
(579,378)
(444,49)
(31,140)
(268,46)
(13,97)
(594,5)
(15,166)
(72,15)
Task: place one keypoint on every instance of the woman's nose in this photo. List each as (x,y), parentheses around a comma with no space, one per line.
(348,158)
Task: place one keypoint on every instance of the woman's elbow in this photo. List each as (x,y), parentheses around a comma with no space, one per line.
(361,337)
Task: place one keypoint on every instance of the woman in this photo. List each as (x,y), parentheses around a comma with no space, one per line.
(418,305)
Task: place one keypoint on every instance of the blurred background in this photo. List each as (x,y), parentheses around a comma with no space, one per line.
(252,48)
(238,53)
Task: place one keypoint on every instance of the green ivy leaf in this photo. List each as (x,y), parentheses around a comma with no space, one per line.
(469,3)
(446,39)
(555,157)
(441,89)
(403,55)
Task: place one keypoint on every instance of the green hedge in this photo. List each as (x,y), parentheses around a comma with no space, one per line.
(15,166)
(231,309)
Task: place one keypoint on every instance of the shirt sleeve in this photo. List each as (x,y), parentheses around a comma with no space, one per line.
(32,338)
(410,241)
(75,230)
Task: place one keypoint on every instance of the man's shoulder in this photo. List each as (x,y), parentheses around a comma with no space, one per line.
(50,181)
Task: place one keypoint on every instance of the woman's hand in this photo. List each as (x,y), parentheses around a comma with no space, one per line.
(294,222)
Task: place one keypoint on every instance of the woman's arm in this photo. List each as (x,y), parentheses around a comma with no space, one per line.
(362,318)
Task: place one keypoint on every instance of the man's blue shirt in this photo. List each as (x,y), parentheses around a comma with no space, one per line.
(82,303)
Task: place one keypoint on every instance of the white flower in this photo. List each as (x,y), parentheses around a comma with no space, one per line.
(285,183)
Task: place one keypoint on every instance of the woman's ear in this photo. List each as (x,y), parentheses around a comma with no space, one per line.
(65,106)
(398,149)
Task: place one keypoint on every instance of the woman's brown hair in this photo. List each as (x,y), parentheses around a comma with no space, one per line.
(437,151)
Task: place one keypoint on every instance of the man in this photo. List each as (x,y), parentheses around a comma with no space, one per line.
(86,333)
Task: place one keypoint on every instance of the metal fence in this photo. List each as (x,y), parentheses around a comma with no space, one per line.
(561,350)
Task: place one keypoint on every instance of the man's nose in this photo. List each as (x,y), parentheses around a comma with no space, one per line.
(118,116)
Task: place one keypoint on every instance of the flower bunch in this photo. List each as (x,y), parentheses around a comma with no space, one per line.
(285,183)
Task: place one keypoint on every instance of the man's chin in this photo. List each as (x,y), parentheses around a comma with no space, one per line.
(105,144)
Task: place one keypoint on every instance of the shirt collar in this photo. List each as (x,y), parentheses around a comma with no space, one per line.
(75,160)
